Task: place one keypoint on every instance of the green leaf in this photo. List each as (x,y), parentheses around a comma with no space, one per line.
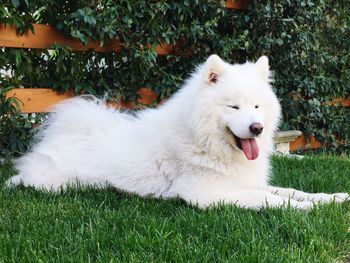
(18,55)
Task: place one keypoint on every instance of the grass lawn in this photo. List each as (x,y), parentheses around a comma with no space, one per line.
(90,225)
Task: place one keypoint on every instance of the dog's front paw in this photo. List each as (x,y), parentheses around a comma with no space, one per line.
(341,197)
(328,198)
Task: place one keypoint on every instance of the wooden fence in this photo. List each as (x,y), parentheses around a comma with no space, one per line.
(35,100)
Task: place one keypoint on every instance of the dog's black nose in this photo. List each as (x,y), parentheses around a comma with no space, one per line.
(256,128)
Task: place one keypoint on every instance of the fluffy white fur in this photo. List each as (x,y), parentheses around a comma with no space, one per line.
(186,148)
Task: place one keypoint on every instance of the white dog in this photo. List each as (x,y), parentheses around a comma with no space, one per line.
(210,143)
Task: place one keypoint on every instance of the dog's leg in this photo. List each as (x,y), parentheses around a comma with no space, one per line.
(206,191)
(303,196)
(261,199)
(248,198)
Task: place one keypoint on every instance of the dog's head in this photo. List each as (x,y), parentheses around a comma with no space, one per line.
(238,100)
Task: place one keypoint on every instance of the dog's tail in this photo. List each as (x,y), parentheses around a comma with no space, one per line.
(37,170)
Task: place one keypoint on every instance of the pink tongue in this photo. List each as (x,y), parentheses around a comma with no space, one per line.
(250,148)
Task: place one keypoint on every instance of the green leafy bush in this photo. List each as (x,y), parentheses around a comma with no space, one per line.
(15,131)
(307,43)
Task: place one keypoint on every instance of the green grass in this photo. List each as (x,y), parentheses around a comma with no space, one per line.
(90,225)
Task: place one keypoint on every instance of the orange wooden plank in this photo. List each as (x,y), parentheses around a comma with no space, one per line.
(339,101)
(147,97)
(334,102)
(301,143)
(43,99)
(165,49)
(237,4)
(45,36)
(38,99)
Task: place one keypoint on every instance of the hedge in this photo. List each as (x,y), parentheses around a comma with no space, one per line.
(307,43)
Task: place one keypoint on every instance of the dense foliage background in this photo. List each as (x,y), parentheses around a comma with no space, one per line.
(308,43)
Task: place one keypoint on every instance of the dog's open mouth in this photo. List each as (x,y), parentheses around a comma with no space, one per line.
(247,145)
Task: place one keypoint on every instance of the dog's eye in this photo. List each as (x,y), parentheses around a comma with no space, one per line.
(233,107)
(256,106)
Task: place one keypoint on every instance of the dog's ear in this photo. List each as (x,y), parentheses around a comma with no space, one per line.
(214,67)
(263,67)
